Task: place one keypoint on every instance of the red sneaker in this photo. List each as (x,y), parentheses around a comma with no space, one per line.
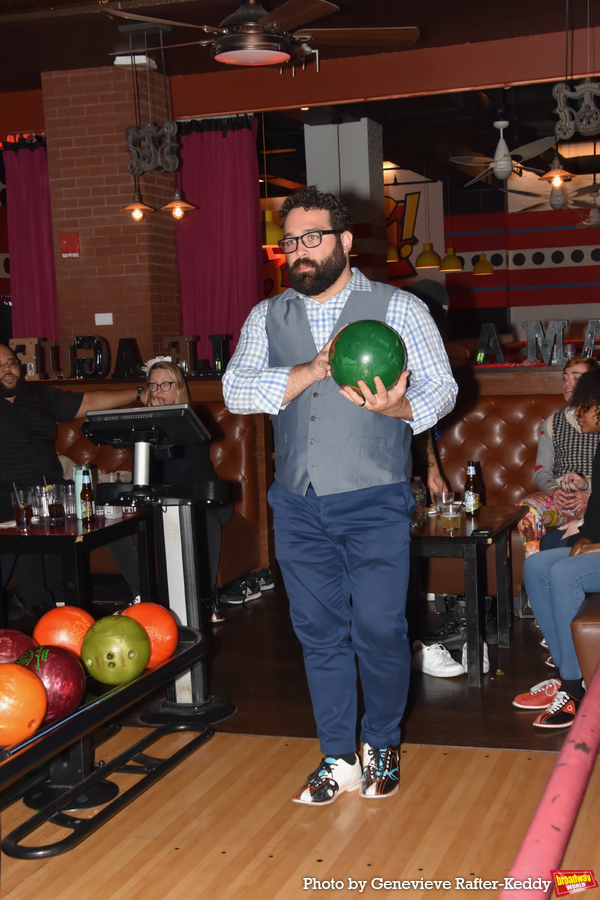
(540,696)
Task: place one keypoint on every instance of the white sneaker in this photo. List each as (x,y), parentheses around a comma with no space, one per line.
(332,778)
(486,658)
(435,660)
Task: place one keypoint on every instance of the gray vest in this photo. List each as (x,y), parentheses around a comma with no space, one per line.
(321,437)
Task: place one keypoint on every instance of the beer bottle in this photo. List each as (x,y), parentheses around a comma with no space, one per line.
(87,499)
(472,497)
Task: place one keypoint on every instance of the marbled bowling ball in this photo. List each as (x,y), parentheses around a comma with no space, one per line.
(365,349)
(62,675)
(160,625)
(23,703)
(115,650)
(65,626)
(13,643)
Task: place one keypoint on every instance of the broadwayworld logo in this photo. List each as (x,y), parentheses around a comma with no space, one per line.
(571,881)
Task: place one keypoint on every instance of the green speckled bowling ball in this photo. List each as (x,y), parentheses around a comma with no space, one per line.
(115,650)
(364,349)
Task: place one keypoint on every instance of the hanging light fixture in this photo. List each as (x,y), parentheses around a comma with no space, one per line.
(272,233)
(557,175)
(482,266)
(451,262)
(177,207)
(137,209)
(427,258)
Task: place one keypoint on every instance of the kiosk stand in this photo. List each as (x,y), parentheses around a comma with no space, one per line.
(148,429)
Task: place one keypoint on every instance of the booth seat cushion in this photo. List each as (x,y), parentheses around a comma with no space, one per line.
(585,629)
(501,434)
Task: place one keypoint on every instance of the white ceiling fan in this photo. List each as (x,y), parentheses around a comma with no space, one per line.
(503,165)
(251,36)
(593,218)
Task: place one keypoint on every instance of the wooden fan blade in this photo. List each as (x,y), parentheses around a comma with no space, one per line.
(164,47)
(479,177)
(580,203)
(522,193)
(295,13)
(208,29)
(385,38)
(528,151)
(530,169)
(544,205)
(471,160)
(590,189)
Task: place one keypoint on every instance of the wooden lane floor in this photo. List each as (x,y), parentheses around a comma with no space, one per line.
(222,826)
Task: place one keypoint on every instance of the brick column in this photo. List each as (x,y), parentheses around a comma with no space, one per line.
(125,268)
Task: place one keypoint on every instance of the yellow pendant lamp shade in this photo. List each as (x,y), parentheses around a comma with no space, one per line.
(482,266)
(451,262)
(271,232)
(428,258)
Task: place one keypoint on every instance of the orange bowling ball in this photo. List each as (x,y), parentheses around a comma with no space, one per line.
(161,627)
(64,626)
(23,703)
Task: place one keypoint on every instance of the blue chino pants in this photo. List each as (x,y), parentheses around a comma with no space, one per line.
(556,585)
(345,563)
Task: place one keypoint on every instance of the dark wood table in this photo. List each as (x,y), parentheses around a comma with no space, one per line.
(74,544)
(430,540)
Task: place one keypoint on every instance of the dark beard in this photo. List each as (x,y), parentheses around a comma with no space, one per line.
(7,392)
(323,274)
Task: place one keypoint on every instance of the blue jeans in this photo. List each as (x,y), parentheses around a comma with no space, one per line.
(556,585)
(345,563)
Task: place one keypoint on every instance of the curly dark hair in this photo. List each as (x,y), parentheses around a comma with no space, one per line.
(312,198)
(587,393)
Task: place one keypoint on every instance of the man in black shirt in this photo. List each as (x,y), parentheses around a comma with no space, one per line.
(28,416)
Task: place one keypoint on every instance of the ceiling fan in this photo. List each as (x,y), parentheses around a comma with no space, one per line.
(251,36)
(558,198)
(503,165)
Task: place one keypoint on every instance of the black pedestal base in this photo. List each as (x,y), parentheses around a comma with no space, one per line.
(163,712)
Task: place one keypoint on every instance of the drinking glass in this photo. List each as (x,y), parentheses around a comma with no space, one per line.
(21,501)
(450,516)
(70,500)
(56,508)
(440,498)
(39,503)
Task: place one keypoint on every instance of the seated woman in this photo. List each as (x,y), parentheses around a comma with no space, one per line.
(184,471)
(562,450)
(557,581)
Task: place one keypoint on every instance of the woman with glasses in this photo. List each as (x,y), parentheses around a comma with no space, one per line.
(188,466)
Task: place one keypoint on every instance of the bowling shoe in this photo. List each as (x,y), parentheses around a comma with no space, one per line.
(325,784)
(540,696)
(380,772)
(241,590)
(560,713)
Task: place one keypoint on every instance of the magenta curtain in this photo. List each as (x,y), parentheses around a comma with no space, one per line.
(30,241)
(219,244)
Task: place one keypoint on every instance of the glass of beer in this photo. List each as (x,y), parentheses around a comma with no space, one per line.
(450,516)
(21,501)
(56,507)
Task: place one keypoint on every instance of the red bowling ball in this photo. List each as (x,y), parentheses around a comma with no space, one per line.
(160,625)
(62,675)
(13,643)
(23,704)
(65,626)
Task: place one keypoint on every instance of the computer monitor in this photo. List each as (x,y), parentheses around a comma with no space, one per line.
(160,426)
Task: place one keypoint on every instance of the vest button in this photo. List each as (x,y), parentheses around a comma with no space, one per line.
(315,394)
(312,440)
(312,418)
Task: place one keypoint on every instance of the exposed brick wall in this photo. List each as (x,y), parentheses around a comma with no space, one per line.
(127,268)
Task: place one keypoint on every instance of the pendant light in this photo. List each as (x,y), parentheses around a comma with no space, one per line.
(137,209)
(177,207)
(482,266)
(272,233)
(427,258)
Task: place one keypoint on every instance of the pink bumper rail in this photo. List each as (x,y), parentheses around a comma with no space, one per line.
(547,837)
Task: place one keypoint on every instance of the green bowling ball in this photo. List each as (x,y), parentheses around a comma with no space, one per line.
(364,349)
(115,650)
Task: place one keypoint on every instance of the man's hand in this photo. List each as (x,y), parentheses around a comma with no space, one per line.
(304,375)
(391,403)
(584,545)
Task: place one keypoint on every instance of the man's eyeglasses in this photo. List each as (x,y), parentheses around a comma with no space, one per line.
(10,364)
(310,240)
(163,386)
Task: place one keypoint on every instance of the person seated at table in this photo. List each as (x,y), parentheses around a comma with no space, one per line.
(29,412)
(557,581)
(188,466)
(562,450)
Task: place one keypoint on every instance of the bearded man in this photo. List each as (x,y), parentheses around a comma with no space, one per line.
(29,412)
(341,499)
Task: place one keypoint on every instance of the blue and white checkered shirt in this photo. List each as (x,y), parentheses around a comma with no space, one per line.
(250,386)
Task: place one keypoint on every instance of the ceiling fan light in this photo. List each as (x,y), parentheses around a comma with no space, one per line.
(451,262)
(428,258)
(272,233)
(249,49)
(482,266)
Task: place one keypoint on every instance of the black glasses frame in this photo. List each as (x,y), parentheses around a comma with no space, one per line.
(302,237)
(163,386)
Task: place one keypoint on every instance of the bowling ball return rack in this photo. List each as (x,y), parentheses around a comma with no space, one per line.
(54,770)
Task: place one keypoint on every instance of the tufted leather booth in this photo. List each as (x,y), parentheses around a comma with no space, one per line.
(501,433)
(585,629)
(234,456)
